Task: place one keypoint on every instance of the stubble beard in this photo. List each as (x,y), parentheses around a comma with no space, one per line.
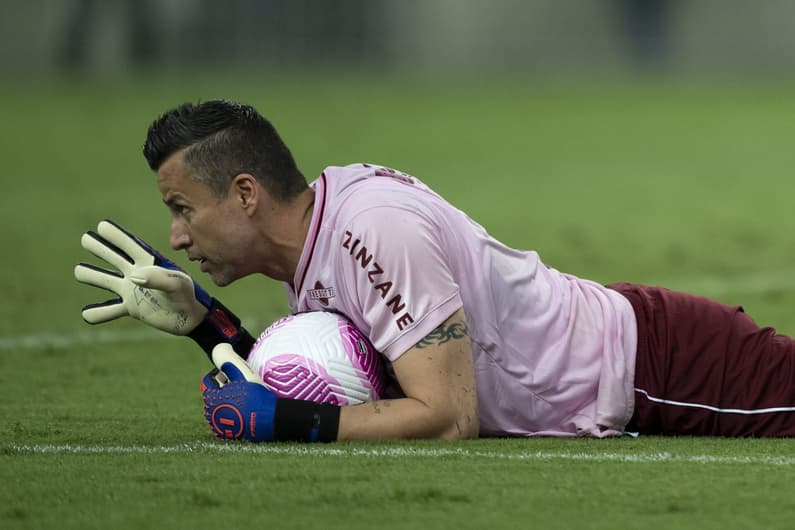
(222,277)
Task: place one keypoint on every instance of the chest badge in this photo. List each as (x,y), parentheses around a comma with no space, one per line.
(320,293)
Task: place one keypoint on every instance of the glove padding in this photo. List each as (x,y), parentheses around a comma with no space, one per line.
(151,288)
(236,403)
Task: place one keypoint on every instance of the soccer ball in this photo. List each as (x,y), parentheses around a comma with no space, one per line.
(318,356)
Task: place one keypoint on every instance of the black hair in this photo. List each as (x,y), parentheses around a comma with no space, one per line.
(221,140)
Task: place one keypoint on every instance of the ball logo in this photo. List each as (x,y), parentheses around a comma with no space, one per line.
(227,421)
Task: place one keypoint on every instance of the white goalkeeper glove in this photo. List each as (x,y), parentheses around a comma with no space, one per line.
(154,290)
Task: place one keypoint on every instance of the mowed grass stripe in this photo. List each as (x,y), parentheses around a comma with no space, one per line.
(77,338)
(707,286)
(399,452)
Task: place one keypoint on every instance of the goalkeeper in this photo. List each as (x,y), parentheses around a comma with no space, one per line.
(484,340)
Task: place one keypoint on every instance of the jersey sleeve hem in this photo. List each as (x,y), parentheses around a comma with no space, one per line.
(423,327)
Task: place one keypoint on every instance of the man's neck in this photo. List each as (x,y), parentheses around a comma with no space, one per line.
(288,242)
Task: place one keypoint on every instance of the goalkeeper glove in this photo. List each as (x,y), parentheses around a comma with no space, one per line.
(237,405)
(154,290)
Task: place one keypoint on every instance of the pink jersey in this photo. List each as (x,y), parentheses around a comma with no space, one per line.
(553,354)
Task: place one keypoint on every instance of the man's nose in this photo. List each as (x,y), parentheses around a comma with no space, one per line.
(179,237)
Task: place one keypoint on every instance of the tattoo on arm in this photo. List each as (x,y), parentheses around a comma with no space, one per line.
(443,334)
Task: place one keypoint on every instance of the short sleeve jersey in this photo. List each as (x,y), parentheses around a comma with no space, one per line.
(553,354)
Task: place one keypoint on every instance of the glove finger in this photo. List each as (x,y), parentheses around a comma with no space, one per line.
(98,277)
(136,248)
(104,249)
(154,277)
(104,312)
(230,363)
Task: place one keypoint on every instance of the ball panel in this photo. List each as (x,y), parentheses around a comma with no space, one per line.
(318,356)
(296,377)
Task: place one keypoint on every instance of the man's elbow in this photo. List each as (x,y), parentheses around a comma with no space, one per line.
(464,426)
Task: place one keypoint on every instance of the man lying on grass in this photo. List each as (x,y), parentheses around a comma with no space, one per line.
(483,340)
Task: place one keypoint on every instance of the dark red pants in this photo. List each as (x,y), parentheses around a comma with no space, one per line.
(704,368)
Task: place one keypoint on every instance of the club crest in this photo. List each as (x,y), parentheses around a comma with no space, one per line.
(320,293)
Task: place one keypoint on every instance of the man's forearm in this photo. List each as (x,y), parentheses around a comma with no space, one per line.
(404,418)
(437,376)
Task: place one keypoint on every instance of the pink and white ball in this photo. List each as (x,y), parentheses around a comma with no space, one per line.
(318,356)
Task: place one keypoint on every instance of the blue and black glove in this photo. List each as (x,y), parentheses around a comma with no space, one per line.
(238,406)
(154,290)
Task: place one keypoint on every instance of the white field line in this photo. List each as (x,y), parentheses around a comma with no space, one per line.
(717,286)
(89,335)
(397,452)
(78,338)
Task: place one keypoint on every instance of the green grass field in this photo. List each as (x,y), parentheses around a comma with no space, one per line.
(688,185)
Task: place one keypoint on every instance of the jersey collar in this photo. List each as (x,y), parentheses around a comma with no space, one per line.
(311,238)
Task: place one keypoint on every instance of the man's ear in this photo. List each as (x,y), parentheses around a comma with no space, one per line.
(246,191)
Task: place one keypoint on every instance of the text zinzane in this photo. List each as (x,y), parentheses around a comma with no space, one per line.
(375,274)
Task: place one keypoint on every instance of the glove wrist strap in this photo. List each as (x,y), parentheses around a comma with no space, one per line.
(221,325)
(305,421)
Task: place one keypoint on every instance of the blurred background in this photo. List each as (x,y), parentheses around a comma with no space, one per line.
(625,140)
(517,37)
(646,141)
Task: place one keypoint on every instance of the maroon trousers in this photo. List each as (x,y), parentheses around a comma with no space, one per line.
(704,368)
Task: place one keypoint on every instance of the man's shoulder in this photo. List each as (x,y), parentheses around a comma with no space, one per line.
(359,188)
(368,177)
